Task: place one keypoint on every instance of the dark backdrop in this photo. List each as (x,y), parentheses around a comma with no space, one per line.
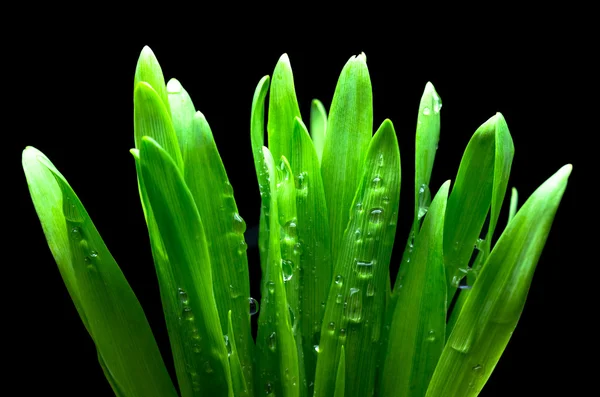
(73,93)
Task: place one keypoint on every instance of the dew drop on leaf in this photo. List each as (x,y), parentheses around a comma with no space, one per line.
(253,306)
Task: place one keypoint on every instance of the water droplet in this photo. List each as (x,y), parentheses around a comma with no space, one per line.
(370,289)
(290,229)
(196,348)
(302,181)
(342,333)
(364,269)
(355,305)
(183,296)
(233,292)
(228,188)
(268,388)
(426,111)
(477,368)
(187,313)
(479,244)
(239,225)
(207,368)
(94,254)
(357,235)
(339,280)
(271,287)
(380,160)
(173,86)
(437,102)
(331,327)
(431,336)
(424,200)
(87,260)
(377,182)
(287,268)
(376,215)
(385,199)
(316,348)
(253,306)
(298,249)
(76,234)
(272,342)
(359,207)
(242,247)
(338,298)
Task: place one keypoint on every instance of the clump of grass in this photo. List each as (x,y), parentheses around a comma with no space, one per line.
(331,322)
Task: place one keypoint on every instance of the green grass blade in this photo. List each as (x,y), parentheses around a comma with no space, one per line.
(184,238)
(426,143)
(111,312)
(148,70)
(514,202)
(283,109)
(152,118)
(340,378)
(318,126)
(349,131)
(496,300)
(357,297)
(240,386)
(314,245)
(417,331)
(469,203)
(276,348)
(205,176)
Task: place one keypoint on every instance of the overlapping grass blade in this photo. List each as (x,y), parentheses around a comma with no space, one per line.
(318,126)
(349,131)
(108,307)
(357,297)
(417,331)
(207,180)
(240,385)
(495,303)
(277,369)
(185,243)
(514,201)
(283,109)
(314,245)
(340,378)
(148,70)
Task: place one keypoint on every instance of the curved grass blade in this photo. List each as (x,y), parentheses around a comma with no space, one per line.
(349,131)
(495,303)
(318,126)
(240,386)
(184,239)
(417,333)
(357,297)
(283,109)
(148,70)
(276,348)
(110,310)
(340,378)
(514,201)
(207,180)
(314,245)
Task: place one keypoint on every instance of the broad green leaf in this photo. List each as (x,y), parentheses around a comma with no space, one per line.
(110,311)
(257,138)
(496,300)
(340,378)
(148,70)
(275,345)
(240,386)
(151,118)
(357,296)
(207,180)
(514,201)
(283,109)
(185,243)
(318,126)
(313,244)
(417,331)
(349,130)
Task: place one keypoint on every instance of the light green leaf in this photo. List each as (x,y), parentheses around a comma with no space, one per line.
(185,243)
(240,386)
(349,130)
(340,378)
(514,201)
(494,305)
(318,126)
(417,331)
(357,296)
(148,70)
(108,307)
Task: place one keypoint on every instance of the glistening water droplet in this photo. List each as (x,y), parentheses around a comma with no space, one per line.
(271,287)
(339,280)
(354,309)
(287,268)
(331,327)
(76,234)
(426,111)
(431,336)
(239,225)
(253,306)
(272,342)
(376,215)
(364,269)
(377,182)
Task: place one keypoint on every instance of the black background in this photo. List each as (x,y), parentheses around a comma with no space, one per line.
(72,92)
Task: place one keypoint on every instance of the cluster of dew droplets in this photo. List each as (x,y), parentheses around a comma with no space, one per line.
(74,222)
(424,198)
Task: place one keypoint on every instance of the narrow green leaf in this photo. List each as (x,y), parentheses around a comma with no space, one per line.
(151,118)
(417,331)
(349,130)
(276,348)
(340,378)
(514,201)
(148,70)
(318,126)
(112,314)
(495,303)
(314,245)
(357,297)
(185,242)
(205,176)
(283,109)
(240,387)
